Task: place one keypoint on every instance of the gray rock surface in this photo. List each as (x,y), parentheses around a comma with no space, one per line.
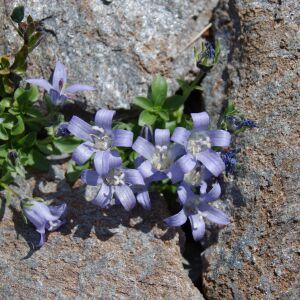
(117,47)
(257,256)
(98,254)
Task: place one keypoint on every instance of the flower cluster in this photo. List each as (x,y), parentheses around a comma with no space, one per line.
(186,157)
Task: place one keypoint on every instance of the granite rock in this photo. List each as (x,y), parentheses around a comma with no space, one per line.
(98,254)
(117,47)
(257,256)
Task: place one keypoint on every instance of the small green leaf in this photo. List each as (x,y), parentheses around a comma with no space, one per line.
(18,14)
(164,115)
(147,118)
(39,161)
(143,102)
(3,133)
(32,94)
(28,140)
(66,144)
(159,89)
(19,127)
(174,102)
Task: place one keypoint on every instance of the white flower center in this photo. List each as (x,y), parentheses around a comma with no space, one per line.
(198,142)
(193,177)
(53,225)
(102,141)
(115,177)
(161,159)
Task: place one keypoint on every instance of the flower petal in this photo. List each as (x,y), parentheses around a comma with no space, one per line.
(134,177)
(176,151)
(186,163)
(143,199)
(180,136)
(176,220)
(104,117)
(80,129)
(175,173)
(90,177)
(101,162)
(213,214)
(198,227)
(103,197)
(184,192)
(41,83)
(58,210)
(146,169)
(56,97)
(78,88)
(41,231)
(59,76)
(82,153)
(200,120)
(144,148)
(115,160)
(213,194)
(162,137)
(122,138)
(125,196)
(212,161)
(220,138)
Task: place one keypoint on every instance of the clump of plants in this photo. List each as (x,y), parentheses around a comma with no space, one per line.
(163,149)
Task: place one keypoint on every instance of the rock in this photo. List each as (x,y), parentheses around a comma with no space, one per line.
(257,256)
(98,254)
(117,47)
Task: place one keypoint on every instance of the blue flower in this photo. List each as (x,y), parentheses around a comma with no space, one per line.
(196,208)
(58,91)
(43,216)
(229,158)
(63,130)
(116,183)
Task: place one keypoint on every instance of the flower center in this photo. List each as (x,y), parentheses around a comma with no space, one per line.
(193,177)
(53,225)
(102,141)
(161,159)
(191,206)
(115,177)
(198,142)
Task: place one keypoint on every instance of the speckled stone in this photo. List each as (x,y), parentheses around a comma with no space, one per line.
(98,254)
(117,47)
(257,256)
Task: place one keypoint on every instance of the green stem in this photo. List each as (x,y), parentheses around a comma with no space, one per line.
(8,189)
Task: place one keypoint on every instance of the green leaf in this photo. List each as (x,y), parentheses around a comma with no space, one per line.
(18,14)
(5,103)
(32,94)
(28,140)
(3,151)
(159,89)
(147,118)
(174,102)
(164,115)
(66,144)
(19,127)
(3,133)
(143,102)
(39,161)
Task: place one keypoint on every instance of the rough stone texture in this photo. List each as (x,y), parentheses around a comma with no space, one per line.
(96,255)
(257,256)
(117,47)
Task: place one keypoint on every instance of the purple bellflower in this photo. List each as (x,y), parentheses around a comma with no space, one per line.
(159,158)
(62,130)
(58,91)
(116,183)
(196,208)
(43,216)
(100,137)
(198,143)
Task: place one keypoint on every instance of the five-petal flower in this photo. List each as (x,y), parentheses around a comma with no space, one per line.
(58,91)
(196,208)
(100,137)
